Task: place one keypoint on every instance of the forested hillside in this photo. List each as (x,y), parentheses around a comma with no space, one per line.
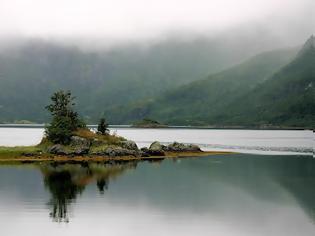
(162,82)
(286,99)
(273,89)
(201,101)
(32,71)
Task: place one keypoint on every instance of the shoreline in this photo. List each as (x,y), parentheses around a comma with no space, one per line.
(12,125)
(94,158)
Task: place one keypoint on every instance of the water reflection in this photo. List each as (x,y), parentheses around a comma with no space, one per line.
(264,177)
(277,180)
(63,191)
(239,195)
(66,181)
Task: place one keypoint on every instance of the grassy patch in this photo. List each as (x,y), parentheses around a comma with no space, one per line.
(44,144)
(12,152)
(108,138)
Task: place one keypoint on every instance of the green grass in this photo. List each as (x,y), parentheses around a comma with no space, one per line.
(11,152)
(108,139)
(99,143)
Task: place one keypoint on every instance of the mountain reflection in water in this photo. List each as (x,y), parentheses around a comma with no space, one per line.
(223,195)
(261,177)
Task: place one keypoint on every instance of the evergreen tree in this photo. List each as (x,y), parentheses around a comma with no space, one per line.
(102,127)
(64,119)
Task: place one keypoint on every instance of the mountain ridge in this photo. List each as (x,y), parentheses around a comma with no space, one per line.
(288,96)
(133,91)
(206,93)
(281,96)
(30,72)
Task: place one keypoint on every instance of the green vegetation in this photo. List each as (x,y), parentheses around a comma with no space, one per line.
(148,123)
(106,79)
(67,136)
(15,152)
(286,99)
(202,102)
(269,90)
(110,139)
(65,120)
(102,127)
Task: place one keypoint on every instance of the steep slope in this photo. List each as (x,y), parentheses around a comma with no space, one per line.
(202,101)
(287,98)
(32,71)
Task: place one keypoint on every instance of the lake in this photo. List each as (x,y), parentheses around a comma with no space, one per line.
(245,194)
(245,141)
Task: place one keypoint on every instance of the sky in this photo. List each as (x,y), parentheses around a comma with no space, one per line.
(120,20)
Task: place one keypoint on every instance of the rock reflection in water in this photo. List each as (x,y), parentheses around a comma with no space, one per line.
(66,181)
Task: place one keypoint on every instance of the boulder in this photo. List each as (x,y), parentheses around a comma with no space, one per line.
(146,152)
(176,147)
(81,150)
(156,146)
(57,149)
(79,145)
(119,151)
(181,147)
(157,149)
(193,148)
(76,141)
(131,145)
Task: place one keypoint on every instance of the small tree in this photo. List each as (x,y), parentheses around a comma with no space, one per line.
(64,119)
(102,127)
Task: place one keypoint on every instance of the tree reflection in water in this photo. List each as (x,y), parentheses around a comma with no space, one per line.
(63,191)
(66,181)
(102,185)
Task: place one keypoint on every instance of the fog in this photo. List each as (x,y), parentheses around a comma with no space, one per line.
(99,23)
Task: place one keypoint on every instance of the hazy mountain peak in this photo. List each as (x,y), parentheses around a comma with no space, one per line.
(308,45)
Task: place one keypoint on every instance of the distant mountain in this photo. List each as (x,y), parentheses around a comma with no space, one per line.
(204,102)
(267,90)
(286,99)
(31,72)
(162,82)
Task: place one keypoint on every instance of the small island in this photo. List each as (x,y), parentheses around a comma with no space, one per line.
(148,123)
(67,138)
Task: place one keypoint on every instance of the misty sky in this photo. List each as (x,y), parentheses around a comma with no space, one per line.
(145,19)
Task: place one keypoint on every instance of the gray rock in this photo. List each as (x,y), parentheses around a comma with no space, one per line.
(57,149)
(180,147)
(119,151)
(156,146)
(78,141)
(157,149)
(145,152)
(79,146)
(129,145)
(176,147)
(193,148)
(80,151)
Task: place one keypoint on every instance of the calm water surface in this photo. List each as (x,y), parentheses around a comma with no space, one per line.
(223,195)
(244,141)
(231,195)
